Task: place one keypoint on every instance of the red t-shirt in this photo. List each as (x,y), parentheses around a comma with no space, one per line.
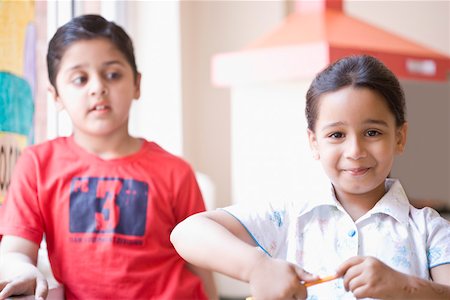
(107,222)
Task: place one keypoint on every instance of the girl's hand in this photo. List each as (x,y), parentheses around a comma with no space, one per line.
(30,282)
(277,279)
(367,277)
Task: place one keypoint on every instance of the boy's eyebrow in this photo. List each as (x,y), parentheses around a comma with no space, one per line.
(113,62)
(108,63)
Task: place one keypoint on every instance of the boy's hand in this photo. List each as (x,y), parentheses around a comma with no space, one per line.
(30,282)
(367,277)
(278,279)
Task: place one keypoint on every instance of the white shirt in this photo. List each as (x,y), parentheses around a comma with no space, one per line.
(319,235)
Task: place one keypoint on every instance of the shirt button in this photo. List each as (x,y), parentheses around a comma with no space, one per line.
(351,233)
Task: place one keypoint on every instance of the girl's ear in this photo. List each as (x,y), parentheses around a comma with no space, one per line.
(401,138)
(313,144)
(58,103)
(137,86)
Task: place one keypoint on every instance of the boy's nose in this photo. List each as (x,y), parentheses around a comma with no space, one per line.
(98,88)
(355,148)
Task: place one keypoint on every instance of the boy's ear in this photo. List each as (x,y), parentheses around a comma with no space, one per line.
(137,86)
(313,144)
(58,103)
(401,138)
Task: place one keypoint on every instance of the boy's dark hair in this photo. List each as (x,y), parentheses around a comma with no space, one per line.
(357,71)
(87,27)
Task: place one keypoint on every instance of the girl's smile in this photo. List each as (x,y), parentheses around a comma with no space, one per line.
(356,139)
(357,171)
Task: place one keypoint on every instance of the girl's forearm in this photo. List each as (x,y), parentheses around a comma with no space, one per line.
(207,244)
(418,288)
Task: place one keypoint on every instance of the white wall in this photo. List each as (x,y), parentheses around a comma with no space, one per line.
(271,157)
(208,28)
(155,29)
(426,22)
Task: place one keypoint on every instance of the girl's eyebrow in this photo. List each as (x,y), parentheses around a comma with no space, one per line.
(368,122)
(334,124)
(377,122)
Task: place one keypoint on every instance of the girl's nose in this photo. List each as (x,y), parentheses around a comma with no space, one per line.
(355,148)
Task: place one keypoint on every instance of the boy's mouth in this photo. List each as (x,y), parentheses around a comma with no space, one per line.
(101,107)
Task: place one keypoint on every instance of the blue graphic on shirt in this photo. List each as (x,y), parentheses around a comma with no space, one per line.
(277,218)
(108,205)
(401,256)
(433,255)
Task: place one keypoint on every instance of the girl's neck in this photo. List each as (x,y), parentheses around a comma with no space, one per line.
(357,205)
(113,146)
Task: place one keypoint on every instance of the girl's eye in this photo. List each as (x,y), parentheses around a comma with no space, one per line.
(336,135)
(373,133)
(113,75)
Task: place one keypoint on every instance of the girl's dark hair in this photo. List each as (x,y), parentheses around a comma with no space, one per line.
(356,71)
(87,27)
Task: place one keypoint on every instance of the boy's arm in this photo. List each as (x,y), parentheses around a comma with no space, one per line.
(18,272)
(368,277)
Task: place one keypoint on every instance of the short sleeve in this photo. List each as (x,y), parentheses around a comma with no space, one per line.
(266,223)
(20,213)
(188,197)
(438,239)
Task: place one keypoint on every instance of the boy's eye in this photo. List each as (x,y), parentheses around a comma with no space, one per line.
(112,75)
(336,135)
(372,133)
(79,80)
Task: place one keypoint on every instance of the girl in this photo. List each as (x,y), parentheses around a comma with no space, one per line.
(106,201)
(362,230)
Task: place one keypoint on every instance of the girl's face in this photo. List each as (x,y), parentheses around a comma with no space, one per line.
(96,86)
(356,139)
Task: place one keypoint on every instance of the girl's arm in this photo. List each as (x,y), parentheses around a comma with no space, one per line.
(18,272)
(215,240)
(368,277)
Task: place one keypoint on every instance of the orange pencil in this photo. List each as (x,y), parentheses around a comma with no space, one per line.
(321,280)
(314,282)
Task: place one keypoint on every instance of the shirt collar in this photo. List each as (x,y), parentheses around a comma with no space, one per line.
(322,197)
(394,203)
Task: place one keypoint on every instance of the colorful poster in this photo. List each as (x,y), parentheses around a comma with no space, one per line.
(17,83)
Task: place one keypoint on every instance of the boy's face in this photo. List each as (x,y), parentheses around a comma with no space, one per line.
(356,139)
(96,87)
